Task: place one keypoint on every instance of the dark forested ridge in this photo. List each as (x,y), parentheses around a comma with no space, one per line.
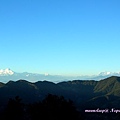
(85,94)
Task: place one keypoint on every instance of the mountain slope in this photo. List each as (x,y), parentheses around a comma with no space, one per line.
(78,90)
(108,86)
(107,93)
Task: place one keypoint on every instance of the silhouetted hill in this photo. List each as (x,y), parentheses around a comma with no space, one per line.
(46,87)
(84,93)
(78,90)
(1,84)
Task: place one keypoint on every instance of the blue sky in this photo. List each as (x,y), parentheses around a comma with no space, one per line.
(68,37)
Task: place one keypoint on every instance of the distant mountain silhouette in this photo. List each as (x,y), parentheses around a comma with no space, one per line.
(85,94)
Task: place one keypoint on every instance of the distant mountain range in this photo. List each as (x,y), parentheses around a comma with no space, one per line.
(8,74)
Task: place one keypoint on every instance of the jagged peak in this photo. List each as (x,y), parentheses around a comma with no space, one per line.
(6,71)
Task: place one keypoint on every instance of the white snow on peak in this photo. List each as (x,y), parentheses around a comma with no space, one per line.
(46,74)
(6,71)
(27,75)
(105,73)
(108,73)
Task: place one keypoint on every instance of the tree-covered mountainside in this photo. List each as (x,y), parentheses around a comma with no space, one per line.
(84,93)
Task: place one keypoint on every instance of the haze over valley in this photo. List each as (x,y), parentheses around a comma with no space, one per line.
(7,74)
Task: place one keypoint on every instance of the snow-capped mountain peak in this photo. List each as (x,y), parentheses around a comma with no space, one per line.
(6,71)
(105,73)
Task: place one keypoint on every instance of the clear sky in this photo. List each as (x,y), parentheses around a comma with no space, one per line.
(70,37)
